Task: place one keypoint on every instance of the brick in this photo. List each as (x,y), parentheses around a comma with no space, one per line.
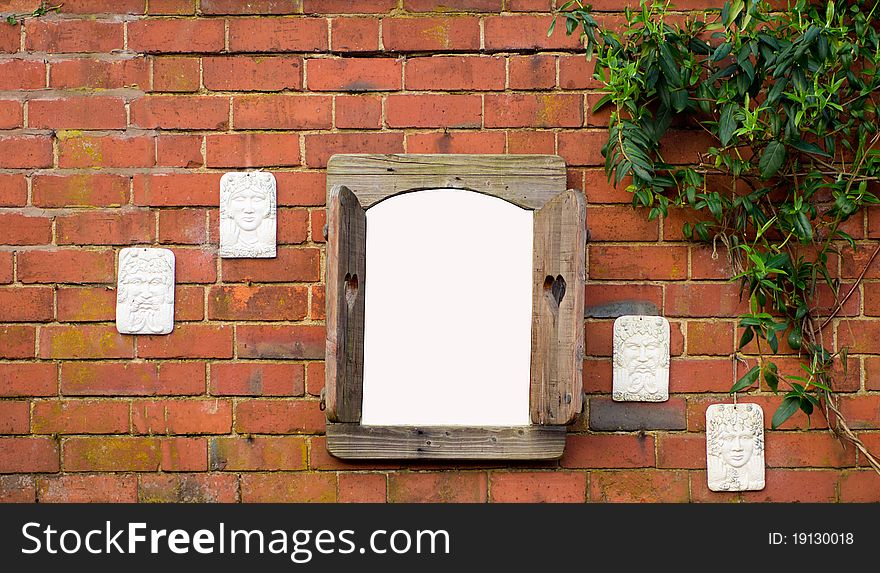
(106,228)
(861,412)
(181,417)
(871,441)
(704,300)
(597,188)
(100,74)
(674,221)
(576,73)
(607,415)
(98,190)
(354,34)
(16,342)
(77,151)
(282,112)
(13,190)
(288,488)
(87,489)
(177,189)
(256,379)
(172,35)
(585,148)
(286,342)
(854,262)
(685,146)
(436,487)
(278,34)
(188,488)
(58,36)
(700,491)
(26,151)
(354,74)
(10,38)
(608,451)
(358,112)
(14,417)
(860,487)
(597,376)
(789,486)
(84,341)
(195,265)
(543,142)
(620,223)
(361,488)
(858,335)
(701,375)
(610,301)
(252,149)
(180,112)
(279,417)
(103,7)
(250,7)
(318,221)
(529,5)
(183,226)
(637,263)
(686,450)
(453,6)
(433,110)
(455,73)
(172,7)
(80,417)
(639,486)
(532,72)
(131,378)
(22,75)
(77,113)
(534,110)
(872,373)
(520,32)
(65,266)
(178,75)
(807,449)
(317,311)
(538,487)
(456,142)
(88,304)
(291,265)
(257,453)
(711,337)
(17,489)
(314,378)
(189,303)
(179,151)
(17,229)
(27,454)
(26,304)
(303,188)
(269,302)
(121,454)
(320,147)
(347,7)
(449,33)
(189,341)
(872,298)
(242,73)
(6,271)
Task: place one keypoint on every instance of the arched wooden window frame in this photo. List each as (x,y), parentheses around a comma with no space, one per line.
(535,182)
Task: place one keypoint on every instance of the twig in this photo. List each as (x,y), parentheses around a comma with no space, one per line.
(854,287)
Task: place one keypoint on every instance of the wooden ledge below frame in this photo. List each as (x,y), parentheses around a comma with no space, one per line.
(357,442)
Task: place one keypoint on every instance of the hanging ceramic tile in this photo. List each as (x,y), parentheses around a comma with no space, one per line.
(735,447)
(145,291)
(247,215)
(641,359)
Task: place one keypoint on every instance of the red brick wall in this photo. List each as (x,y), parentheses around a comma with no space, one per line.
(117,118)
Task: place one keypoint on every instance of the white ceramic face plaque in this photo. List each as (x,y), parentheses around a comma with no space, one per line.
(641,359)
(735,447)
(145,291)
(247,215)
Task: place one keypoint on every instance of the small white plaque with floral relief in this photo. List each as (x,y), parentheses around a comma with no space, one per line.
(641,359)
(248,207)
(145,291)
(735,447)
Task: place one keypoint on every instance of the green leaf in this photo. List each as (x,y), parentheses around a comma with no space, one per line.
(771,376)
(771,159)
(748,335)
(788,407)
(807,147)
(727,123)
(748,379)
(722,51)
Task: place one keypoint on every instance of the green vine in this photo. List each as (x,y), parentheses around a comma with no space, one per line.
(787,102)
(44,9)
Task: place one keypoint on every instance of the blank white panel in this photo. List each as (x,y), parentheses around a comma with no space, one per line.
(448,293)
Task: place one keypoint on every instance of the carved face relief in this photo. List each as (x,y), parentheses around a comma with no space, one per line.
(145,291)
(735,447)
(641,359)
(247,215)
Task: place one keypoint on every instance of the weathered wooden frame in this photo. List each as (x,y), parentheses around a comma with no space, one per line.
(534,182)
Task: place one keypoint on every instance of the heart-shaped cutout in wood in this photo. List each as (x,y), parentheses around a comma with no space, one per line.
(351,289)
(554,288)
